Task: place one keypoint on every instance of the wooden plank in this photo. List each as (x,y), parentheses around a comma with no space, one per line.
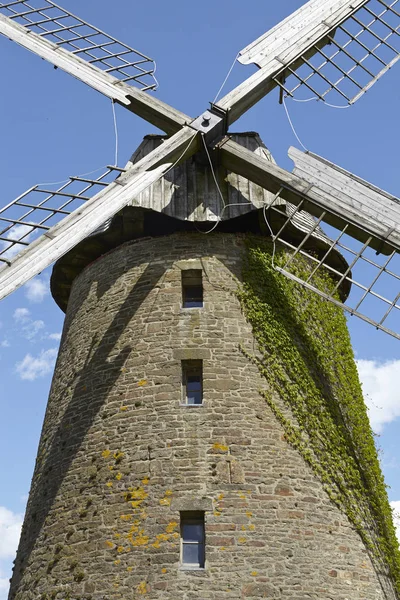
(148,107)
(363,221)
(282,46)
(86,219)
(360,200)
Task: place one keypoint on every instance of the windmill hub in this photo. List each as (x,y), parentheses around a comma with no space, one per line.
(213,124)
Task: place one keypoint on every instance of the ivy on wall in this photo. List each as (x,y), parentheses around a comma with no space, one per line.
(307,359)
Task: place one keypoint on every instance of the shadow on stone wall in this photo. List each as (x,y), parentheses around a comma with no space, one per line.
(60,451)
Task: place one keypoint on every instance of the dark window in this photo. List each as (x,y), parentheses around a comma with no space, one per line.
(192,540)
(192,382)
(192,288)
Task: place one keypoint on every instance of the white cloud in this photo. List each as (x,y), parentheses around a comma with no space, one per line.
(55,336)
(17,232)
(381,384)
(36,289)
(32,329)
(21,315)
(10,530)
(5,344)
(4,586)
(31,367)
(29,327)
(396,516)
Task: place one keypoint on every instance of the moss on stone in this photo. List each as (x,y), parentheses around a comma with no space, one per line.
(307,359)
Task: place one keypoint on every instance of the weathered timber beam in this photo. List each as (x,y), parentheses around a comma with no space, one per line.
(148,107)
(361,223)
(56,242)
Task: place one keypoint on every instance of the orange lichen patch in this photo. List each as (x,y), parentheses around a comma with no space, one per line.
(136,496)
(129,569)
(166,501)
(118,476)
(117,535)
(110,544)
(217,513)
(120,549)
(164,570)
(156,544)
(142,588)
(111,467)
(106,453)
(254,573)
(220,497)
(126,517)
(123,408)
(171,527)
(249,514)
(145,481)
(252,527)
(109,484)
(162,537)
(242,540)
(222,548)
(220,447)
(142,382)
(117,562)
(118,455)
(140,539)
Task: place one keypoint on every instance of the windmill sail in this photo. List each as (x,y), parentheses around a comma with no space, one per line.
(65,216)
(362,223)
(332,50)
(54,23)
(90,55)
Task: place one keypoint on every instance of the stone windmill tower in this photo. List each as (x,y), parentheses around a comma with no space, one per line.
(205,435)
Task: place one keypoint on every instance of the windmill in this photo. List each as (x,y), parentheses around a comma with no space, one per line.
(334,50)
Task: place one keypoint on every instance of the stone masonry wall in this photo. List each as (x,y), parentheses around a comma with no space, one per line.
(119,457)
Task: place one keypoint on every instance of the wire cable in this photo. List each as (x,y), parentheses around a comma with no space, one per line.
(154,76)
(218,188)
(291,124)
(319,100)
(115,132)
(99,168)
(226,79)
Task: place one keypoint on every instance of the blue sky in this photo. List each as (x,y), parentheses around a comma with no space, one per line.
(52,126)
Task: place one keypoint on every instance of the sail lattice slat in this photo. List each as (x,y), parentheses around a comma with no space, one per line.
(61,27)
(373,279)
(42,206)
(340,68)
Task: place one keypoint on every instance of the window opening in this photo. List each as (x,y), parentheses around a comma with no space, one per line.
(192,288)
(192,540)
(192,382)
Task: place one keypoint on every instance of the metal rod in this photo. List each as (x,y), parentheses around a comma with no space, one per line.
(28,224)
(338,303)
(331,247)
(375,280)
(55,210)
(307,237)
(389,310)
